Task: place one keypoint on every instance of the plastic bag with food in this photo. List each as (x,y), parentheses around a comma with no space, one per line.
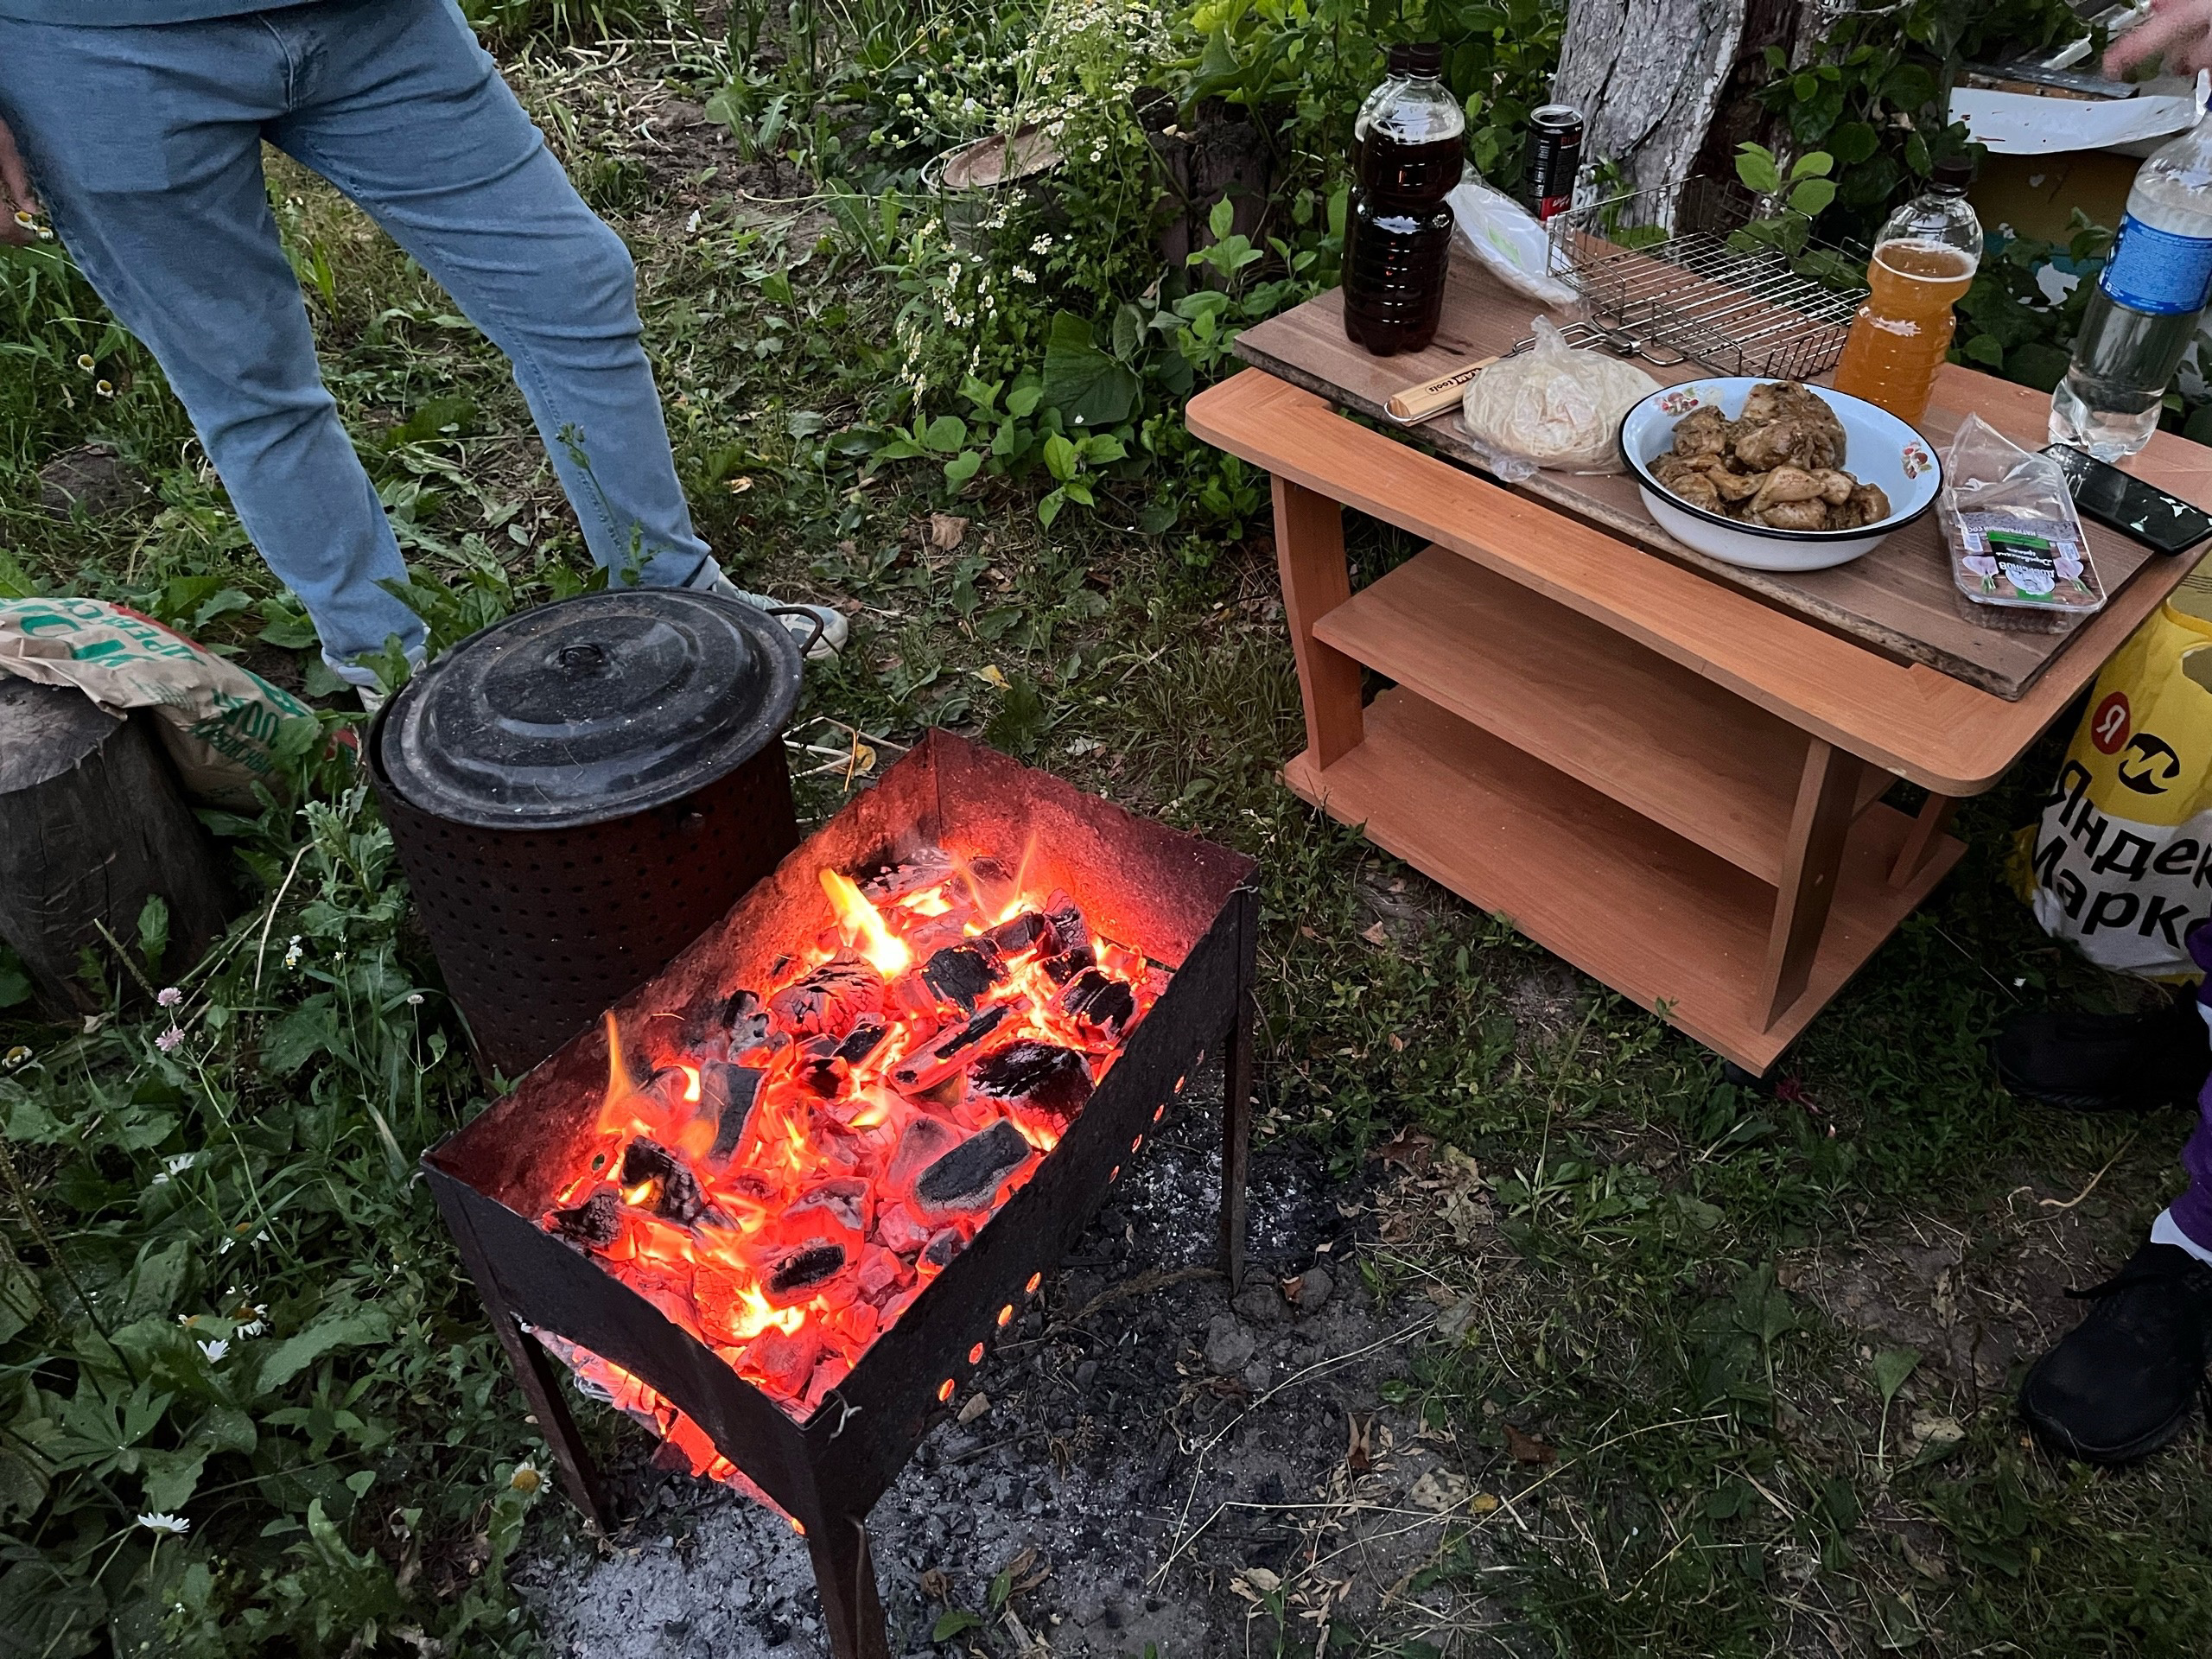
(1506,240)
(1553,406)
(2017,547)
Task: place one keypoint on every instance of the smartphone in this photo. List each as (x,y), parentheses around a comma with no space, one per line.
(2120,501)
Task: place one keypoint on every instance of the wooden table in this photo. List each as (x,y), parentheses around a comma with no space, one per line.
(1672,781)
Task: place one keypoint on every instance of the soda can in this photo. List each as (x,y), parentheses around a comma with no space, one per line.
(1554,157)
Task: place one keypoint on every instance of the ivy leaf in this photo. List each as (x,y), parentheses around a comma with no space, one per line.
(962,466)
(1021,402)
(1854,141)
(1088,386)
(1049,508)
(1986,348)
(1811,196)
(1891,1367)
(1060,458)
(945,433)
(1757,167)
(1911,87)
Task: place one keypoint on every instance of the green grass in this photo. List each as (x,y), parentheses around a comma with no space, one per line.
(1729,1481)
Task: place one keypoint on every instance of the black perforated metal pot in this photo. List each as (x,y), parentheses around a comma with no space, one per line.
(577,792)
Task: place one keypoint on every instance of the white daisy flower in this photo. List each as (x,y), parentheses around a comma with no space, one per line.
(165,1523)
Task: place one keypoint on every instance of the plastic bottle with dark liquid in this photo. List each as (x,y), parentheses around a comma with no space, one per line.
(1410,139)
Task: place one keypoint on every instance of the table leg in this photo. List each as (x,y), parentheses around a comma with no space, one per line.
(1310,553)
(1927,830)
(1828,792)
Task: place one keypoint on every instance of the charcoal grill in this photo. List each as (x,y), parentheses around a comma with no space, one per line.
(572,789)
(1190,904)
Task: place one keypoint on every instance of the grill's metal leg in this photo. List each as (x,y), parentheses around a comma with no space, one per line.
(540,1382)
(1236,1103)
(844,1573)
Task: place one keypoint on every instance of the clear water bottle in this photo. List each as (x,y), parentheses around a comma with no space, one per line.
(2143,314)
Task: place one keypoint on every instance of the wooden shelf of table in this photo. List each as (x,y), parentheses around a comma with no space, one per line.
(1662,921)
(1656,736)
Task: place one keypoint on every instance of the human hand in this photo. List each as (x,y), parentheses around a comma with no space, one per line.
(19,207)
(2182,29)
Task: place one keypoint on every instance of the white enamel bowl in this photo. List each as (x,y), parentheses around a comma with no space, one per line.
(1878,448)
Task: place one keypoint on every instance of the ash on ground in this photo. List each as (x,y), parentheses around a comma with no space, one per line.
(1143,1466)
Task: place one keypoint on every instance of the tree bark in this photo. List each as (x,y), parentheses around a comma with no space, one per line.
(1648,75)
(92,824)
(1796,26)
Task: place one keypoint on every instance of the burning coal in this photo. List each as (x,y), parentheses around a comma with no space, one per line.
(782,1171)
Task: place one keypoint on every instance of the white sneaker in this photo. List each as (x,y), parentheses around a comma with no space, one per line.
(799,619)
(371,699)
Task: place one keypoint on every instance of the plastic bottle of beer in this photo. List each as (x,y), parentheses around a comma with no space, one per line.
(1924,261)
(2143,314)
(1408,136)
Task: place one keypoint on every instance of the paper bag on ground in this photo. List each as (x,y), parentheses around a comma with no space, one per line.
(222,725)
(2120,858)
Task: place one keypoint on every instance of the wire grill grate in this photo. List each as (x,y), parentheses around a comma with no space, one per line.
(1675,268)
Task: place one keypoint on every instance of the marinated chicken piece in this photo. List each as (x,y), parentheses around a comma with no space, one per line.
(1695,488)
(1703,432)
(1866,504)
(1795,515)
(1800,440)
(1787,484)
(1836,486)
(1737,487)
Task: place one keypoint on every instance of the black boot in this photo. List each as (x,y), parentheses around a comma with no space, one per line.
(2105,1062)
(2125,1382)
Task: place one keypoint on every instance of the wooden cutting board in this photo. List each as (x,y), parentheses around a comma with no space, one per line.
(1898,599)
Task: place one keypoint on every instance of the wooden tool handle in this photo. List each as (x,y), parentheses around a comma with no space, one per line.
(1434,397)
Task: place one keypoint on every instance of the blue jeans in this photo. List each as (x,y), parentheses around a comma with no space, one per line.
(145,142)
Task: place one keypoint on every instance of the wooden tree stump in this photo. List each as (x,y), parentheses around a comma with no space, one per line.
(92,824)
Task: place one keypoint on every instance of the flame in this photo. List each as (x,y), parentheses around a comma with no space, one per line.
(690,1083)
(861,920)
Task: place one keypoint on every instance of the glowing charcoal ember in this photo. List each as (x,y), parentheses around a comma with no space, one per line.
(725,1095)
(783,1360)
(1012,938)
(596,1222)
(862,1040)
(988,885)
(896,1226)
(793,1273)
(673,1191)
(963,973)
(968,1177)
(818,1069)
(947,1054)
(830,999)
(1052,1080)
(838,1206)
(936,1256)
(1100,1001)
(726,1026)
(922,1142)
(882,1272)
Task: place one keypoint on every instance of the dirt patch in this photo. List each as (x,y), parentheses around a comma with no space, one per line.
(1980,1298)
(1157,1463)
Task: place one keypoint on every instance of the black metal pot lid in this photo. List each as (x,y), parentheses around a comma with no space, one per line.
(590,710)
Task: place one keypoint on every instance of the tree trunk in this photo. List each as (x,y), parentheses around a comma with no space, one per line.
(1647,75)
(92,824)
(1796,26)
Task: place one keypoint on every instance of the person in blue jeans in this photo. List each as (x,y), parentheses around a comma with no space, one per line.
(138,125)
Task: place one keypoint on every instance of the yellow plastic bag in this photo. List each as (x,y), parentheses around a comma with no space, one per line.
(2119,861)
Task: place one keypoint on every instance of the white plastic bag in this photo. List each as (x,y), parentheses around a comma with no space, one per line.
(2017,552)
(1506,239)
(1554,406)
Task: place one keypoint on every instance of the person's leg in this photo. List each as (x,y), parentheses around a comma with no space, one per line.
(146,143)
(400,108)
(2125,1381)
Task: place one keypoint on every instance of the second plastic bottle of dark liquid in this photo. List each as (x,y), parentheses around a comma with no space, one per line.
(1398,238)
